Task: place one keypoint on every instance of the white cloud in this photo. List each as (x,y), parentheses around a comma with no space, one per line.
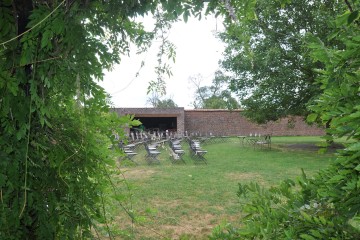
(197,52)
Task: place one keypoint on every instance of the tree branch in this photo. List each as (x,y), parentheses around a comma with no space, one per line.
(348,5)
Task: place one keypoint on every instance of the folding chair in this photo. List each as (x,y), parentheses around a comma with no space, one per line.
(176,151)
(197,153)
(129,153)
(264,141)
(151,154)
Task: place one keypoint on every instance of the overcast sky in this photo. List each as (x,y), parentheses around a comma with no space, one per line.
(197,52)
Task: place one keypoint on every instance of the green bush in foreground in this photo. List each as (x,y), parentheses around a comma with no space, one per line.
(284,213)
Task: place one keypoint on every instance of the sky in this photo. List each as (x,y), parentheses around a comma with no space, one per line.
(198,51)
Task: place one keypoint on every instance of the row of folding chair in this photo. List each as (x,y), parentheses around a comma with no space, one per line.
(176,151)
(196,151)
(128,150)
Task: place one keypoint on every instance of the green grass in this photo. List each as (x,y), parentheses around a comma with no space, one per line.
(186,201)
(304,140)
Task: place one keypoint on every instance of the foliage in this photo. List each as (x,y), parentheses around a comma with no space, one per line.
(339,105)
(282,213)
(270,68)
(215,96)
(55,123)
(156,102)
(327,206)
(166,103)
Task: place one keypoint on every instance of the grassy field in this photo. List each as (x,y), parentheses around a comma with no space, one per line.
(186,201)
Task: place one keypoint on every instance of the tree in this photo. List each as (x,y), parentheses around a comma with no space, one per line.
(327,205)
(166,103)
(156,102)
(54,119)
(215,96)
(271,69)
(55,168)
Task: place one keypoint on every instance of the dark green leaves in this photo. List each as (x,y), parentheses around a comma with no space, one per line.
(267,57)
(55,126)
(353,17)
(347,18)
(327,206)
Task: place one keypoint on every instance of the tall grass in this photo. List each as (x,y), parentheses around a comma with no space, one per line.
(185,201)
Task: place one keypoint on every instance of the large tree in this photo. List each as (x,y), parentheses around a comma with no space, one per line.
(326,206)
(157,102)
(271,69)
(54,122)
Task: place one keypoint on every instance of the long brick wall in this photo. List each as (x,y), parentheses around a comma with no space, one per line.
(231,123)
(225,122)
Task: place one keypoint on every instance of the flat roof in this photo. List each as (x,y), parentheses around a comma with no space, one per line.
(214,110)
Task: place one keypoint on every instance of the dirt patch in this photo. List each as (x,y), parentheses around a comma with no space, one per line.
(138,173)
(192,223)
(242,176)
(245,176)
(198,226)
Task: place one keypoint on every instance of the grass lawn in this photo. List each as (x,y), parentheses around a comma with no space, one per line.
(185,201)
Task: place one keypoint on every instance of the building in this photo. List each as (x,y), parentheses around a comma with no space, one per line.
(217,122)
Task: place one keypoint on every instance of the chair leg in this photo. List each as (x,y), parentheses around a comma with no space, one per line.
(152,159)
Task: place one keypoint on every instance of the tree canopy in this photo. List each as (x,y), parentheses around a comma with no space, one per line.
(157,102)
(266,56)
(327,205)
(216,96)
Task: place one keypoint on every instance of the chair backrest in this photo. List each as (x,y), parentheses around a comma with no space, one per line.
(146,147)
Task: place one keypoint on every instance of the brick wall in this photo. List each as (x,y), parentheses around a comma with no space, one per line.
(224,122)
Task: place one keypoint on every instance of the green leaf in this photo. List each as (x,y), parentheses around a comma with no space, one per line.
(336,178)
(316,233)
(46,39)
(21,132)
(312,117)
(357,168)
(322,220)
(342,19)
(306,216)
(186,15)
(353,16)
(355,115)
(307,237)
(354,147)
